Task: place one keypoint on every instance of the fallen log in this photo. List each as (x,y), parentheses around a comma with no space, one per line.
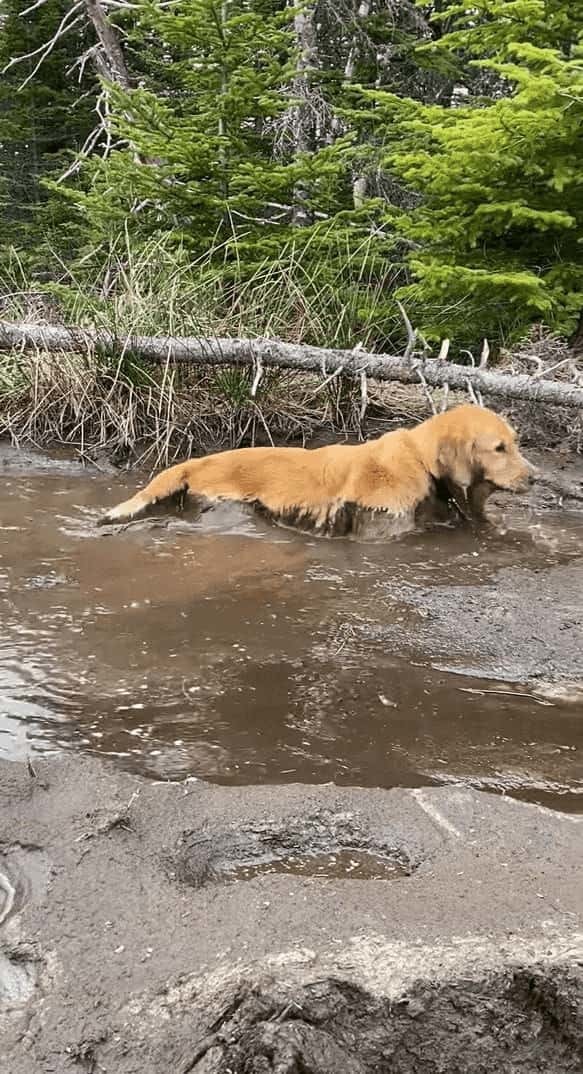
(259,354)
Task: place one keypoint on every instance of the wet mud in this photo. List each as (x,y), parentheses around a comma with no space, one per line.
(152,934)
(227,649)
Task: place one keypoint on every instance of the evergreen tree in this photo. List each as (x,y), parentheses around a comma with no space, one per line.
(45,117)
(225,157)
(198,159)
(497,234)
(250,128)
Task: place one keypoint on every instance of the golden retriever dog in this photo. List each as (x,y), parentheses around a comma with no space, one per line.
(456,458)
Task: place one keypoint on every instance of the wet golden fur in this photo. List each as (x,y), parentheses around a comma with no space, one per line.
(465,453)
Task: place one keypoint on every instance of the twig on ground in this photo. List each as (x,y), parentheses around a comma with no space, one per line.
(504,693)
(116,820)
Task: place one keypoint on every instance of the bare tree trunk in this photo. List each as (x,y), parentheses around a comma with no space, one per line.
(359,190)
(111,65)
(222,126)
(362,13)
(359,181)
(302,118)
(110,60)
(262,353)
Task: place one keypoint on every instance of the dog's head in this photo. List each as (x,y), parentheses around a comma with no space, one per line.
(473,446)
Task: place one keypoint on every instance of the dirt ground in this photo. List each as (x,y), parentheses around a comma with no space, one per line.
(167,927)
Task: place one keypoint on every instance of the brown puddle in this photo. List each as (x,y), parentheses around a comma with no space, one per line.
(337,865)
(236,652)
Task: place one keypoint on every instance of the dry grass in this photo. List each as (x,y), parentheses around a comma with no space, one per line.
(129,412)
(552,427)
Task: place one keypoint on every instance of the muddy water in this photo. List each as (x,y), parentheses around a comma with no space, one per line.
(229,650)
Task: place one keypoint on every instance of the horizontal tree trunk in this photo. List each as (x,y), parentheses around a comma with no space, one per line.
(266,353)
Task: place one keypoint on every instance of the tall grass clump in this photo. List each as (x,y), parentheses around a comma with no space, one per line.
(129,410)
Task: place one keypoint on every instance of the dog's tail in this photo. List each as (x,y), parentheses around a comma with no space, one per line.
(165,485)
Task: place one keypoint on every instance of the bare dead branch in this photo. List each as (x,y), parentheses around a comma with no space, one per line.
(543,371)
(47,47)
(428,394)
(443,350)
(33,7)
(411,333)
(363,396)
(471,392)
(257,377)
(102,128)
(329,379)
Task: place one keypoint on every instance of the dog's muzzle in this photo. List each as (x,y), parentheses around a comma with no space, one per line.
(529,479)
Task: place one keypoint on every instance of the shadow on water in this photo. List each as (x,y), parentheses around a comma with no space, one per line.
(236,652)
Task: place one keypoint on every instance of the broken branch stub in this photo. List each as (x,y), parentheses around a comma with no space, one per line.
(293,356)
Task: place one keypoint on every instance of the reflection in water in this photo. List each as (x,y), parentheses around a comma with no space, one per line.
(236,652)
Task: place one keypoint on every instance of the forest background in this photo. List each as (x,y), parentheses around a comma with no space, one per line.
(249,167)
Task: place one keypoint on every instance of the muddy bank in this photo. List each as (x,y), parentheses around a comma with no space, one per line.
(158,928)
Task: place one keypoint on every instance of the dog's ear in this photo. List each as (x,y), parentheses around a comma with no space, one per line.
(457,462)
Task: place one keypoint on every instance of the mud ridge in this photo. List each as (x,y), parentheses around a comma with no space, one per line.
(523,1020)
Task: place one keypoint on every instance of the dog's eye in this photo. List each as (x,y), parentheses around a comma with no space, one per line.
(500,447)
